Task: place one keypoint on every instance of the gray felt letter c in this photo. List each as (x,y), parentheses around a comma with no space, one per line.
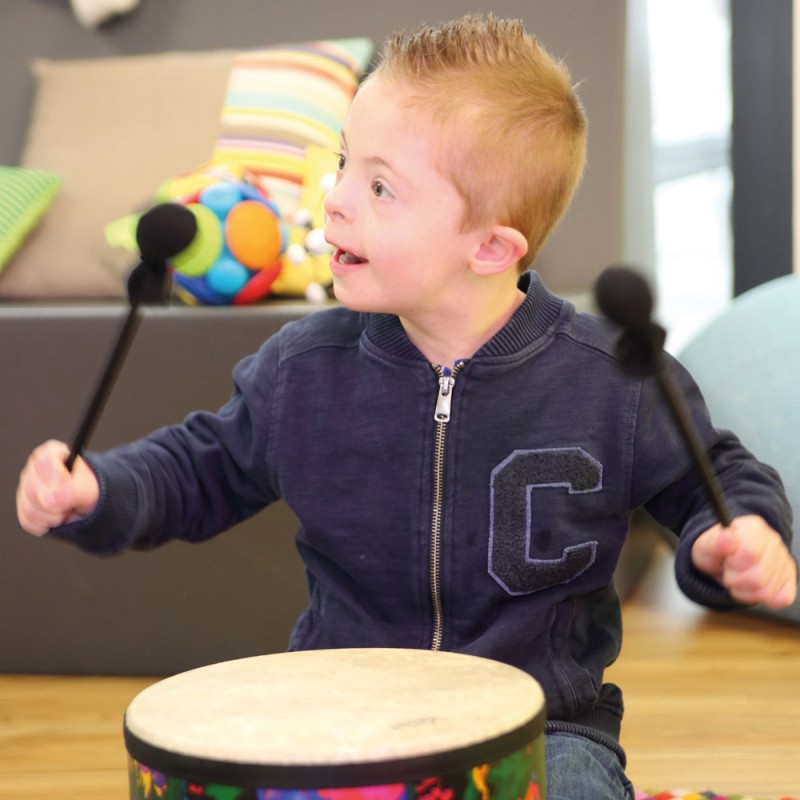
(512,484)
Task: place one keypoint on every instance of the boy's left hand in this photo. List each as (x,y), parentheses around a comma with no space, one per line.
(750,560)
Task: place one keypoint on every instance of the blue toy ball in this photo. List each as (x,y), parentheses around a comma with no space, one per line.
(227,276)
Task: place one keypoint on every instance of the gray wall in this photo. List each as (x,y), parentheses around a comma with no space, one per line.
(589,34)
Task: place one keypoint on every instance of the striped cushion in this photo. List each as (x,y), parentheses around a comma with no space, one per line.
(281,99)
(25,194)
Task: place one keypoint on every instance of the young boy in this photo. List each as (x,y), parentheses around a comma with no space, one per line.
(461,448)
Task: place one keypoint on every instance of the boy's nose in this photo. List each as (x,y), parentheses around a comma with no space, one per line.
(334,203)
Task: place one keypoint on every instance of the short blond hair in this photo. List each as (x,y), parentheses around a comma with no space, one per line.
(519,130)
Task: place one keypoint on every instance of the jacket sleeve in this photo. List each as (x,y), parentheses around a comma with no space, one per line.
(188,481)
(679,501)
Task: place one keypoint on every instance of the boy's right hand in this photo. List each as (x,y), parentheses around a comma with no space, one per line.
(49,494)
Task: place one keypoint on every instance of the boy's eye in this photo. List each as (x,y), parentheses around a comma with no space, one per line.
(342,161)
(379,190)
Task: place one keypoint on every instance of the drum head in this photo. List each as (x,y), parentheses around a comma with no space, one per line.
(335,717)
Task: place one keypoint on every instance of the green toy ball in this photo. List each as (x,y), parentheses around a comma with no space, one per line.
(206,246)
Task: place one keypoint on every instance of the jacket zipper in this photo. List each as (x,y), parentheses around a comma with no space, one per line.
(447,380)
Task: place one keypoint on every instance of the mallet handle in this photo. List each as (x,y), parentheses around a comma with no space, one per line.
(687,428)
(105,384)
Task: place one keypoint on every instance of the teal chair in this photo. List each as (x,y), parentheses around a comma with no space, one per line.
(747,364)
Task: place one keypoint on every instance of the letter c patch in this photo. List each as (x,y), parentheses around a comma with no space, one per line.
(511,498)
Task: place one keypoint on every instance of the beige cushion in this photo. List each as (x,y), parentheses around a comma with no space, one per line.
(113,129)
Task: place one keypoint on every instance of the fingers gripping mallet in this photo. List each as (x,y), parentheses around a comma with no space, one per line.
(624,297)
(162,232)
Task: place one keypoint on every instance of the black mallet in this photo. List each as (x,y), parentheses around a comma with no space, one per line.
(624,297)
(162,232)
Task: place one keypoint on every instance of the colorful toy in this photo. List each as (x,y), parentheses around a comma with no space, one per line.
(307,270)
(244,249)
(235,257)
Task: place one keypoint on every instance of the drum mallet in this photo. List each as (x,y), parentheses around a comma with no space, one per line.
(161,233)
(624,297)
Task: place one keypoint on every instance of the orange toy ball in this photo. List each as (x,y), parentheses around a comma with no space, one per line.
(253,234)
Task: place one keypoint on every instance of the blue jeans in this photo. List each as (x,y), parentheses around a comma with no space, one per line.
(581,769)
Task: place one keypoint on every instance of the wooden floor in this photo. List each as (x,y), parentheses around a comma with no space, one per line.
(712,699)
(713,702)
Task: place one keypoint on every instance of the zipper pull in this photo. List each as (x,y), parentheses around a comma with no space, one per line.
(446,383)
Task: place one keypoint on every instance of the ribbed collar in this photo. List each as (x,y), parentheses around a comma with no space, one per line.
(533,318)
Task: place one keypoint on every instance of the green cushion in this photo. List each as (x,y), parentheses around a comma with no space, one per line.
(25,195)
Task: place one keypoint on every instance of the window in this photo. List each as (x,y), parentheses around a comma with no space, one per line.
(691,125)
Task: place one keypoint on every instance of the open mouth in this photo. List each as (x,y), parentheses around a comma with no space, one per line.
(344,258)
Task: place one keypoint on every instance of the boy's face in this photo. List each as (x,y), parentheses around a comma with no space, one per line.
(393,218)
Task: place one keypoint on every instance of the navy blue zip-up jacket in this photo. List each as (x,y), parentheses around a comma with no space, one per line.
(495,532)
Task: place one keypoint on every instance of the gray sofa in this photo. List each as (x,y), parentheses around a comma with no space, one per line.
(139,613)
(183,606)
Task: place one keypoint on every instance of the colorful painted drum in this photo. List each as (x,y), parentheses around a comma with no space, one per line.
(363,724)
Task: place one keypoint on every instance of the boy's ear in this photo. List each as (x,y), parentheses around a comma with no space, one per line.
(501,249)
